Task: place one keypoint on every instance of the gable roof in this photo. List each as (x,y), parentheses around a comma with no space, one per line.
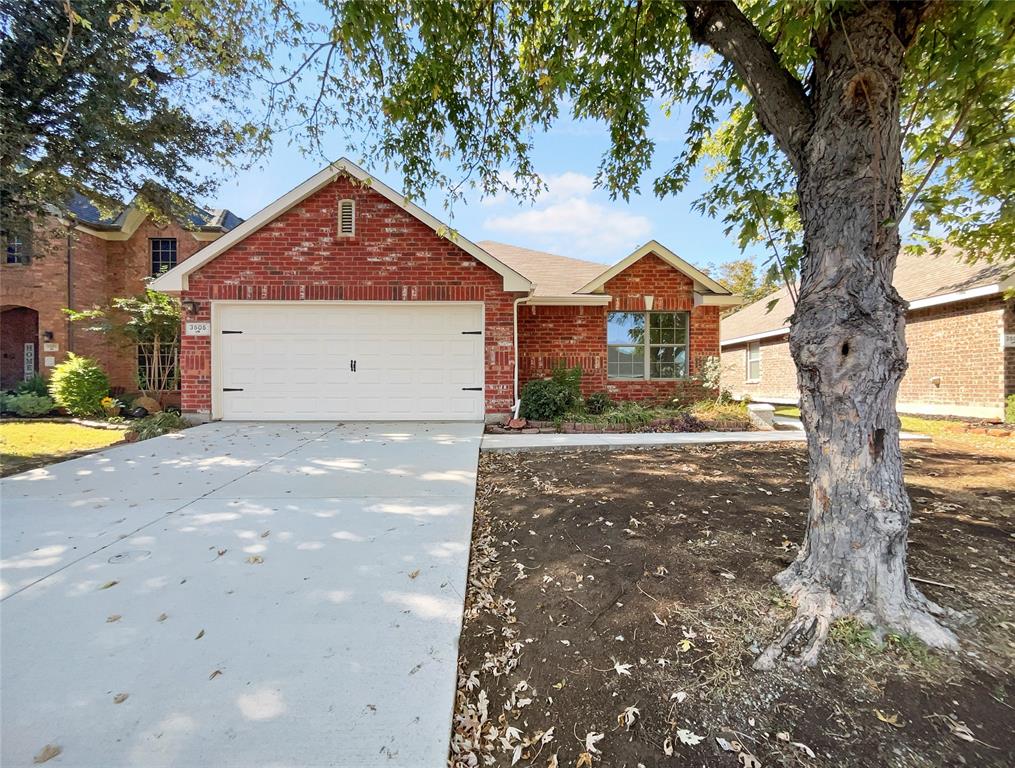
(922,280)
(702,282)
(551,275)
(104,215)
(176,279)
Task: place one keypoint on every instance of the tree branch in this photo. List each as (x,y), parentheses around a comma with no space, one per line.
(780,102)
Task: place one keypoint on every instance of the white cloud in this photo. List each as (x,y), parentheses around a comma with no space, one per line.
(566,221)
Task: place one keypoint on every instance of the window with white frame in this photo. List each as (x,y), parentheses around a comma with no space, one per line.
(646,345)
(754,361)
(16,243)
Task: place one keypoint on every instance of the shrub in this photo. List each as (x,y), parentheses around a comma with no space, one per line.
(29,404)
(35,386)
(552,399)
(630,412)
(598,403)
(159,424)
(1009,409)
(5,403)
(79,384)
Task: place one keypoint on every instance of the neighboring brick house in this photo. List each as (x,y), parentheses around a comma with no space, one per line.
(78,258)
(343,300)
(960,334)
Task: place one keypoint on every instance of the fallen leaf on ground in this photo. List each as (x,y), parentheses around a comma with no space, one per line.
(622,669)
(804,748)
(584,761)
(107,585)
(265,534)
(162,617)
(414,574)
(552,762)
(689,738)
(668,747)
(892,719)
(199,635)
(114,617)
(215,674)
(48,752)
(120,698)
(627,717)
(255,559)
(591,739)
(747,760)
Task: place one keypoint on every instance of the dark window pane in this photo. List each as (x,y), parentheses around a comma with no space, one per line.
(625,328)
(626,362)
(163,254)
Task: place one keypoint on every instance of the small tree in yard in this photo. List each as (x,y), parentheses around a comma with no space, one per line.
(834,119)
(150,324)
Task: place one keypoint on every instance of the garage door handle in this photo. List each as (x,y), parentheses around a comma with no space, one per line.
(232,389)
(352,366)
(472,333)
(472,389)
(225,332)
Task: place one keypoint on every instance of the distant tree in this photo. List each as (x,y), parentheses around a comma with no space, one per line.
(828,123)
(104,94)
(741,277)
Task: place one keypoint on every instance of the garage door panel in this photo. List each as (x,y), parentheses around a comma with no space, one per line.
(292,361)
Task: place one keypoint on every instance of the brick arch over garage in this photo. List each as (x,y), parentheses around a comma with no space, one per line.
(19,344)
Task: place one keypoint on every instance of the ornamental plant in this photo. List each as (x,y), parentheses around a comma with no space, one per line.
(78,385)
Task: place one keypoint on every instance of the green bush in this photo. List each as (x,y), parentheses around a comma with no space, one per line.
(79,384)
(553,398)
(34,386)
(598,403)
(1009,409)
(29,404)
(5,403)
(159,424)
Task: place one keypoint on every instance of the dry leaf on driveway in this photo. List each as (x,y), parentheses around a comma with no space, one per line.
(215,674)
(48,752)
(120,698)
(255,559)
(113,618)
(199,635)
(107,585)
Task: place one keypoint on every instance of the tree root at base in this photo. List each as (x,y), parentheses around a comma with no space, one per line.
(800,644)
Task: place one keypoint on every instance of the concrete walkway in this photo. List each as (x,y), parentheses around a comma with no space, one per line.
(612,441)
(264,595)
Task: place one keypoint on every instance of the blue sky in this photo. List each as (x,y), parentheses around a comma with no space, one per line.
(572,218)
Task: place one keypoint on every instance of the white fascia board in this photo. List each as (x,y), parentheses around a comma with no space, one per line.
(664,253)
(176,279)
(949,298)
(592,300)
(716,300)
(754,337)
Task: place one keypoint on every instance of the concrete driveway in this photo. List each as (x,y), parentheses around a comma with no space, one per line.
(264,595)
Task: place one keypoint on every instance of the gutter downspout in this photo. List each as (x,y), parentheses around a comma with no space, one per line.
(518,399)
(70,284)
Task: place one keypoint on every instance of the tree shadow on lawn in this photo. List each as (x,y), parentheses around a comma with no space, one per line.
(662,559)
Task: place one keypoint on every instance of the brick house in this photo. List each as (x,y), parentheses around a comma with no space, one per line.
(343,300)
(79,258)
(960,332)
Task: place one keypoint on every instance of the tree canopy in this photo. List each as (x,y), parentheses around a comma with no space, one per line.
(103,95)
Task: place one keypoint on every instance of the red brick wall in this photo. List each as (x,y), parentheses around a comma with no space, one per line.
(956,363)
(549,336)
(393,257)
(101,269)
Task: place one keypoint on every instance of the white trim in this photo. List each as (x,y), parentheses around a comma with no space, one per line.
(754,337)
(215,347)
(703,283)
(948,298)
(647,344)
(717,300)
(597,300)
(176,280)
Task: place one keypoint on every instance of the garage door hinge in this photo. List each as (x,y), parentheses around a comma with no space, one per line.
(472,333)
(232,389)
(232,331)
(472,389)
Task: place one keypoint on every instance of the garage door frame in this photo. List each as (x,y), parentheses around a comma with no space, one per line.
(216,335)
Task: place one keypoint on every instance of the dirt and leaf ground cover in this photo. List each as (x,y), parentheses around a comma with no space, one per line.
(617,600)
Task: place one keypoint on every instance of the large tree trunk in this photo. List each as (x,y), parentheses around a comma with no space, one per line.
(847,339)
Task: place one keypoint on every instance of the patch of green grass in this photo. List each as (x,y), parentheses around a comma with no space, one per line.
(25,445)
(853,633)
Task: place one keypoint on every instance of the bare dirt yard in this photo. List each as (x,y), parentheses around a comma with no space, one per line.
(618,598)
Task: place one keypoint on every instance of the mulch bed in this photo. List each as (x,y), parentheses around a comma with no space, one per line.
(618,599)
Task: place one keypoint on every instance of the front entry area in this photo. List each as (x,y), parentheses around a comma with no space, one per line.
(19,339)
(366,361)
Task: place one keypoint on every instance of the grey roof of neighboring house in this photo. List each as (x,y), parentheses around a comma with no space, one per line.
(916,277)
(552,275)
(90,211)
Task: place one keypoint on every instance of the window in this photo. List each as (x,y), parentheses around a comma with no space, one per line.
(347,218)
(754,361)
(163,254)
(662,355)
(161,374)
(16,246)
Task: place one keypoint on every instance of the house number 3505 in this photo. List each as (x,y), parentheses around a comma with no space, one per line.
(198,329)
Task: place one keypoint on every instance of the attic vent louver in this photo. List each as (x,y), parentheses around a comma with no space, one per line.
(346,218)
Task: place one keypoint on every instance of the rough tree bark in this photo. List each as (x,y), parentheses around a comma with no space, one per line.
(847,332)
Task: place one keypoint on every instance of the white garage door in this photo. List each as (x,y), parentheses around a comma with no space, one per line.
(309,361)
